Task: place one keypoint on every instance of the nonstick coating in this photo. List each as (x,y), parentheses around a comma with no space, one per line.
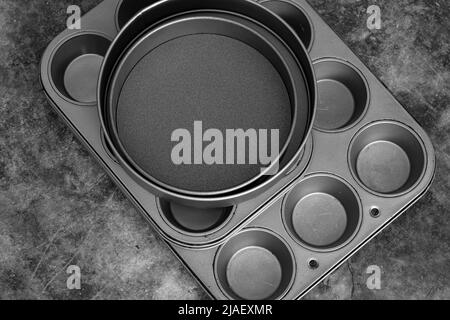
(229,29)
(221,81)
(132,148)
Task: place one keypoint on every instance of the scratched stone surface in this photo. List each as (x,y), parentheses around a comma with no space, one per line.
(58,208)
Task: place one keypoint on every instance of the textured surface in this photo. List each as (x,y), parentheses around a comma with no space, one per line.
(176,84)
(58,208)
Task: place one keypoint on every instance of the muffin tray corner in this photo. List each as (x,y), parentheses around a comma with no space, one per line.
(366,161)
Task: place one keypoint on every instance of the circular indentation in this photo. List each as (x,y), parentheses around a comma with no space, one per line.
(256,264)
(375,212)
(267,273)
(320,218)
(313,264)
(128,9)
(322,212)
(294,16)
(75,67)
(80,78)
(194,220)
(387,158)
(342,95)
(383,166)
(336,104)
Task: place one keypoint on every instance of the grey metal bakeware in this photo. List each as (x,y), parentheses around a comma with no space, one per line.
(187,90)
(363,165)
(194,94)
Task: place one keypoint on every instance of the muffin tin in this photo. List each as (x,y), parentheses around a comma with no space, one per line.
(366,162)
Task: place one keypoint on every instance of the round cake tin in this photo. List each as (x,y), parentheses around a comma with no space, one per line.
(233,65)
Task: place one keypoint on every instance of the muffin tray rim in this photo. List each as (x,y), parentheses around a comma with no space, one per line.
(106,25)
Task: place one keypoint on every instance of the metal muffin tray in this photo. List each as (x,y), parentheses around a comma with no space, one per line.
(366,161)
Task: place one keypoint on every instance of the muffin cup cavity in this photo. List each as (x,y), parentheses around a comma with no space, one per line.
(295,17)
(322,213)
(75,67)
(256,264)
(387,158)
(343,95)
(194,221)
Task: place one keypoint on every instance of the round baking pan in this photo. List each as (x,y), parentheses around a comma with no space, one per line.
(197,76)
(126,9)
(219,63)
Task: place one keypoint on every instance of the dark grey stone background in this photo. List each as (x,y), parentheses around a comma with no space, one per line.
(57,206)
